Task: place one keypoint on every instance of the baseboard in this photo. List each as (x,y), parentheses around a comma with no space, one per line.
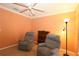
(70,52)
(8,47)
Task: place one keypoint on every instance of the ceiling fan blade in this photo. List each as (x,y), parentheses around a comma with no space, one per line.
(37,10)
(23,10)
(20,5)
(31,12)
(34,4)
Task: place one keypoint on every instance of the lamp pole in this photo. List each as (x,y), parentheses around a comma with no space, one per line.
(66,54)
(66,38)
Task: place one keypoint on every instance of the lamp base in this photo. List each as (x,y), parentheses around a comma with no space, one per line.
(65,55)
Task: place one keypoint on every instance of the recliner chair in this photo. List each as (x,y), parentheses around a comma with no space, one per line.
(27,43)
(50,47)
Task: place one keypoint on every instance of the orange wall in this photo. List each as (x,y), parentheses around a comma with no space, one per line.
(55,23)
(77,26)
(12,27)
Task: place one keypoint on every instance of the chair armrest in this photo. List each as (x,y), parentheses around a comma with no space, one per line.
(42,45)
(20,41)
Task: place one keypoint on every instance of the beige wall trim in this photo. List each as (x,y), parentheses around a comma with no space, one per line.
(8,47)
(69,52)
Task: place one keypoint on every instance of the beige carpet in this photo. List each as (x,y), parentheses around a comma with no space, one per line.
(14,51)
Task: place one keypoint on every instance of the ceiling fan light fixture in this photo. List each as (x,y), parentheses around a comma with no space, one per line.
(28,4)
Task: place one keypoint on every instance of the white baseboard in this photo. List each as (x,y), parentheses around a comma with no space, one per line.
(70,52)
(8,47)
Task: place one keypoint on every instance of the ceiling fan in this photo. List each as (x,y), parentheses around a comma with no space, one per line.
(29,8)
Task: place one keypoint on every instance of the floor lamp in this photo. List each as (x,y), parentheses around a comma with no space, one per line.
(66,22)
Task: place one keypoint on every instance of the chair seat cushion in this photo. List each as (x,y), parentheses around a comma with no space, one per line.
(43,51)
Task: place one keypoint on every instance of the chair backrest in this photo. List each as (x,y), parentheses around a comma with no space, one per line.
(29,35)
(52,41)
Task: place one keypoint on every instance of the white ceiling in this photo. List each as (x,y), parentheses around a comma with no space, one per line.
(48,8)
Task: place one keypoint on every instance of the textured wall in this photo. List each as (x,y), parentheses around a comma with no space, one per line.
(12,27)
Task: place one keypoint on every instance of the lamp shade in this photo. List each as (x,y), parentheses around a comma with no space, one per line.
(66,20)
